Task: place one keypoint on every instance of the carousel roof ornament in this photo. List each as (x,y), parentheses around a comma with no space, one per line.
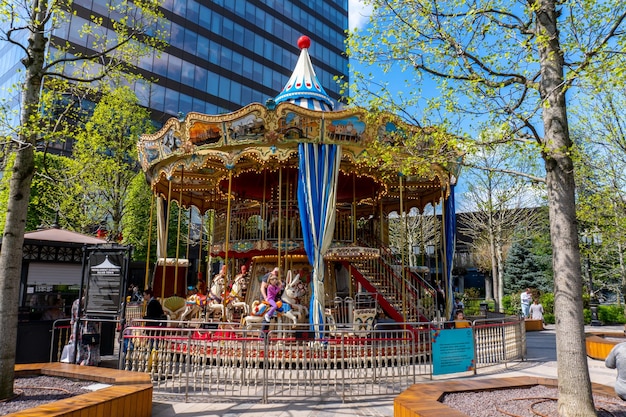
(303,88)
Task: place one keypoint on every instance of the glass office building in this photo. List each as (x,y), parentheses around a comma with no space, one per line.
(222,54)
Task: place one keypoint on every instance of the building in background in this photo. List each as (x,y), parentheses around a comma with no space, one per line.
(222,54)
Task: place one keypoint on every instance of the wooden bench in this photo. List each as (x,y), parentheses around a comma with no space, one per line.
(422,400)
(598,347)
(130,393)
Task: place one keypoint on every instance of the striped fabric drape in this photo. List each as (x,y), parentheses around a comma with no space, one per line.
(317,195)
(449,226)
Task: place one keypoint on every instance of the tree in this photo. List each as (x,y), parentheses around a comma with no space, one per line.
(600,134)
(524,269)
(47,194)
(106,158)
(496,205)
(512,64)
(51,65)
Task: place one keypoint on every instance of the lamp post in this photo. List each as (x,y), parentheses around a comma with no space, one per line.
(588,240)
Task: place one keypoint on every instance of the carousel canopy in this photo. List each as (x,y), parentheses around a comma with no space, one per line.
(253,152)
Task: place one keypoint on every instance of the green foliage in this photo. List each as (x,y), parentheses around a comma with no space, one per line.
(547,301)
(51,192)
(507,305)
(523,269)
(471,293)
(611,314)
(139,230)
(106,157)
(549,318)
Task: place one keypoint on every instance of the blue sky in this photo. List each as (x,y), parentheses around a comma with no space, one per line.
(358,18)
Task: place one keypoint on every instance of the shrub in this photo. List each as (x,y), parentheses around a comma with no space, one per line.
(611,314)
(508,305)
(548,318)
(547,301)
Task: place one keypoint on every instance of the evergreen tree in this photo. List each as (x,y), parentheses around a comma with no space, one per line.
(524,269)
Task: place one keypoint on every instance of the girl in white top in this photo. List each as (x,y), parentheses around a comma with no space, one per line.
(536,311)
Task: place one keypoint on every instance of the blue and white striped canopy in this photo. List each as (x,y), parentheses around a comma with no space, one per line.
(303,88)
(317,197)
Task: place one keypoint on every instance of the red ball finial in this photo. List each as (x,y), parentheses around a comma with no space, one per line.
(304,42)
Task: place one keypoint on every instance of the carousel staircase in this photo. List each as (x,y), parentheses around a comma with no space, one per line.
(413,301)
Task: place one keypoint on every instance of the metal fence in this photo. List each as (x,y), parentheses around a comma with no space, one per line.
(238,363)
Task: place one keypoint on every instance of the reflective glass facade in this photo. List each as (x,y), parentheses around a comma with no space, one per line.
(224,54)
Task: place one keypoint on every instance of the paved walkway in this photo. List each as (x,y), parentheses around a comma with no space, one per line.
(541,362)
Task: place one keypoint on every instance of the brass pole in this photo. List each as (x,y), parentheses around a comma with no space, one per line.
(403,238)
(180,215)
(230,187)
(354,208)
(200,243)
(167,228)
(280,197)
(147,276)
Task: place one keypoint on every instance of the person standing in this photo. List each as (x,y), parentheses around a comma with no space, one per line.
(617,360)
(274,288)
(86,353)
(536,311)
(154,310)
(525,298)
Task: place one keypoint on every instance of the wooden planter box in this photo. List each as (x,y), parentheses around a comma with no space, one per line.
(129,395)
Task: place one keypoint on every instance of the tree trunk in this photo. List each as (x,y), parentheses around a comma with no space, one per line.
(17,207)
(575,398)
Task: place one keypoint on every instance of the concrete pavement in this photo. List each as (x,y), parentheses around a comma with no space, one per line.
(541,362)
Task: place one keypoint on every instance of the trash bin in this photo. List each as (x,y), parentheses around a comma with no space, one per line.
(484,307)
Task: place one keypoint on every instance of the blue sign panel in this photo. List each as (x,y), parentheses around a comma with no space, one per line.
(452,351)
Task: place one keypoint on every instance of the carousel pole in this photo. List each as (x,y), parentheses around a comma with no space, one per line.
(280,197)
(287,225)
(147,276)
(210,241)
(200,243)
(264,208)
(187,250)
(227,241)
(403,240)
(180,215)
(167,224)
(444,259)
(436,246)
(354,220)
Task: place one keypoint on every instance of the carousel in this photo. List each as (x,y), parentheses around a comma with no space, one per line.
(285,185)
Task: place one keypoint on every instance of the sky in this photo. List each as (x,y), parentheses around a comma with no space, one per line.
(358,13)
(358,16)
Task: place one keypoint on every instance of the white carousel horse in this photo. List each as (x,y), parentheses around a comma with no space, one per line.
(294,291)
(291,293)
(235,298)
(194,307)
(214,298)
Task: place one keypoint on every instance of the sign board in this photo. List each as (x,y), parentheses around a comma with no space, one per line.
(105,275)
(453,350)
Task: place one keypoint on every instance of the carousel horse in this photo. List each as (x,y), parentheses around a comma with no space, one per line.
(194,307)
(199,305)
(214,298)
(294,291)
(235,298)
(291,293)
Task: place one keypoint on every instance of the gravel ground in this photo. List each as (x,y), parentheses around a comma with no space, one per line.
(519,401)
(38,390)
